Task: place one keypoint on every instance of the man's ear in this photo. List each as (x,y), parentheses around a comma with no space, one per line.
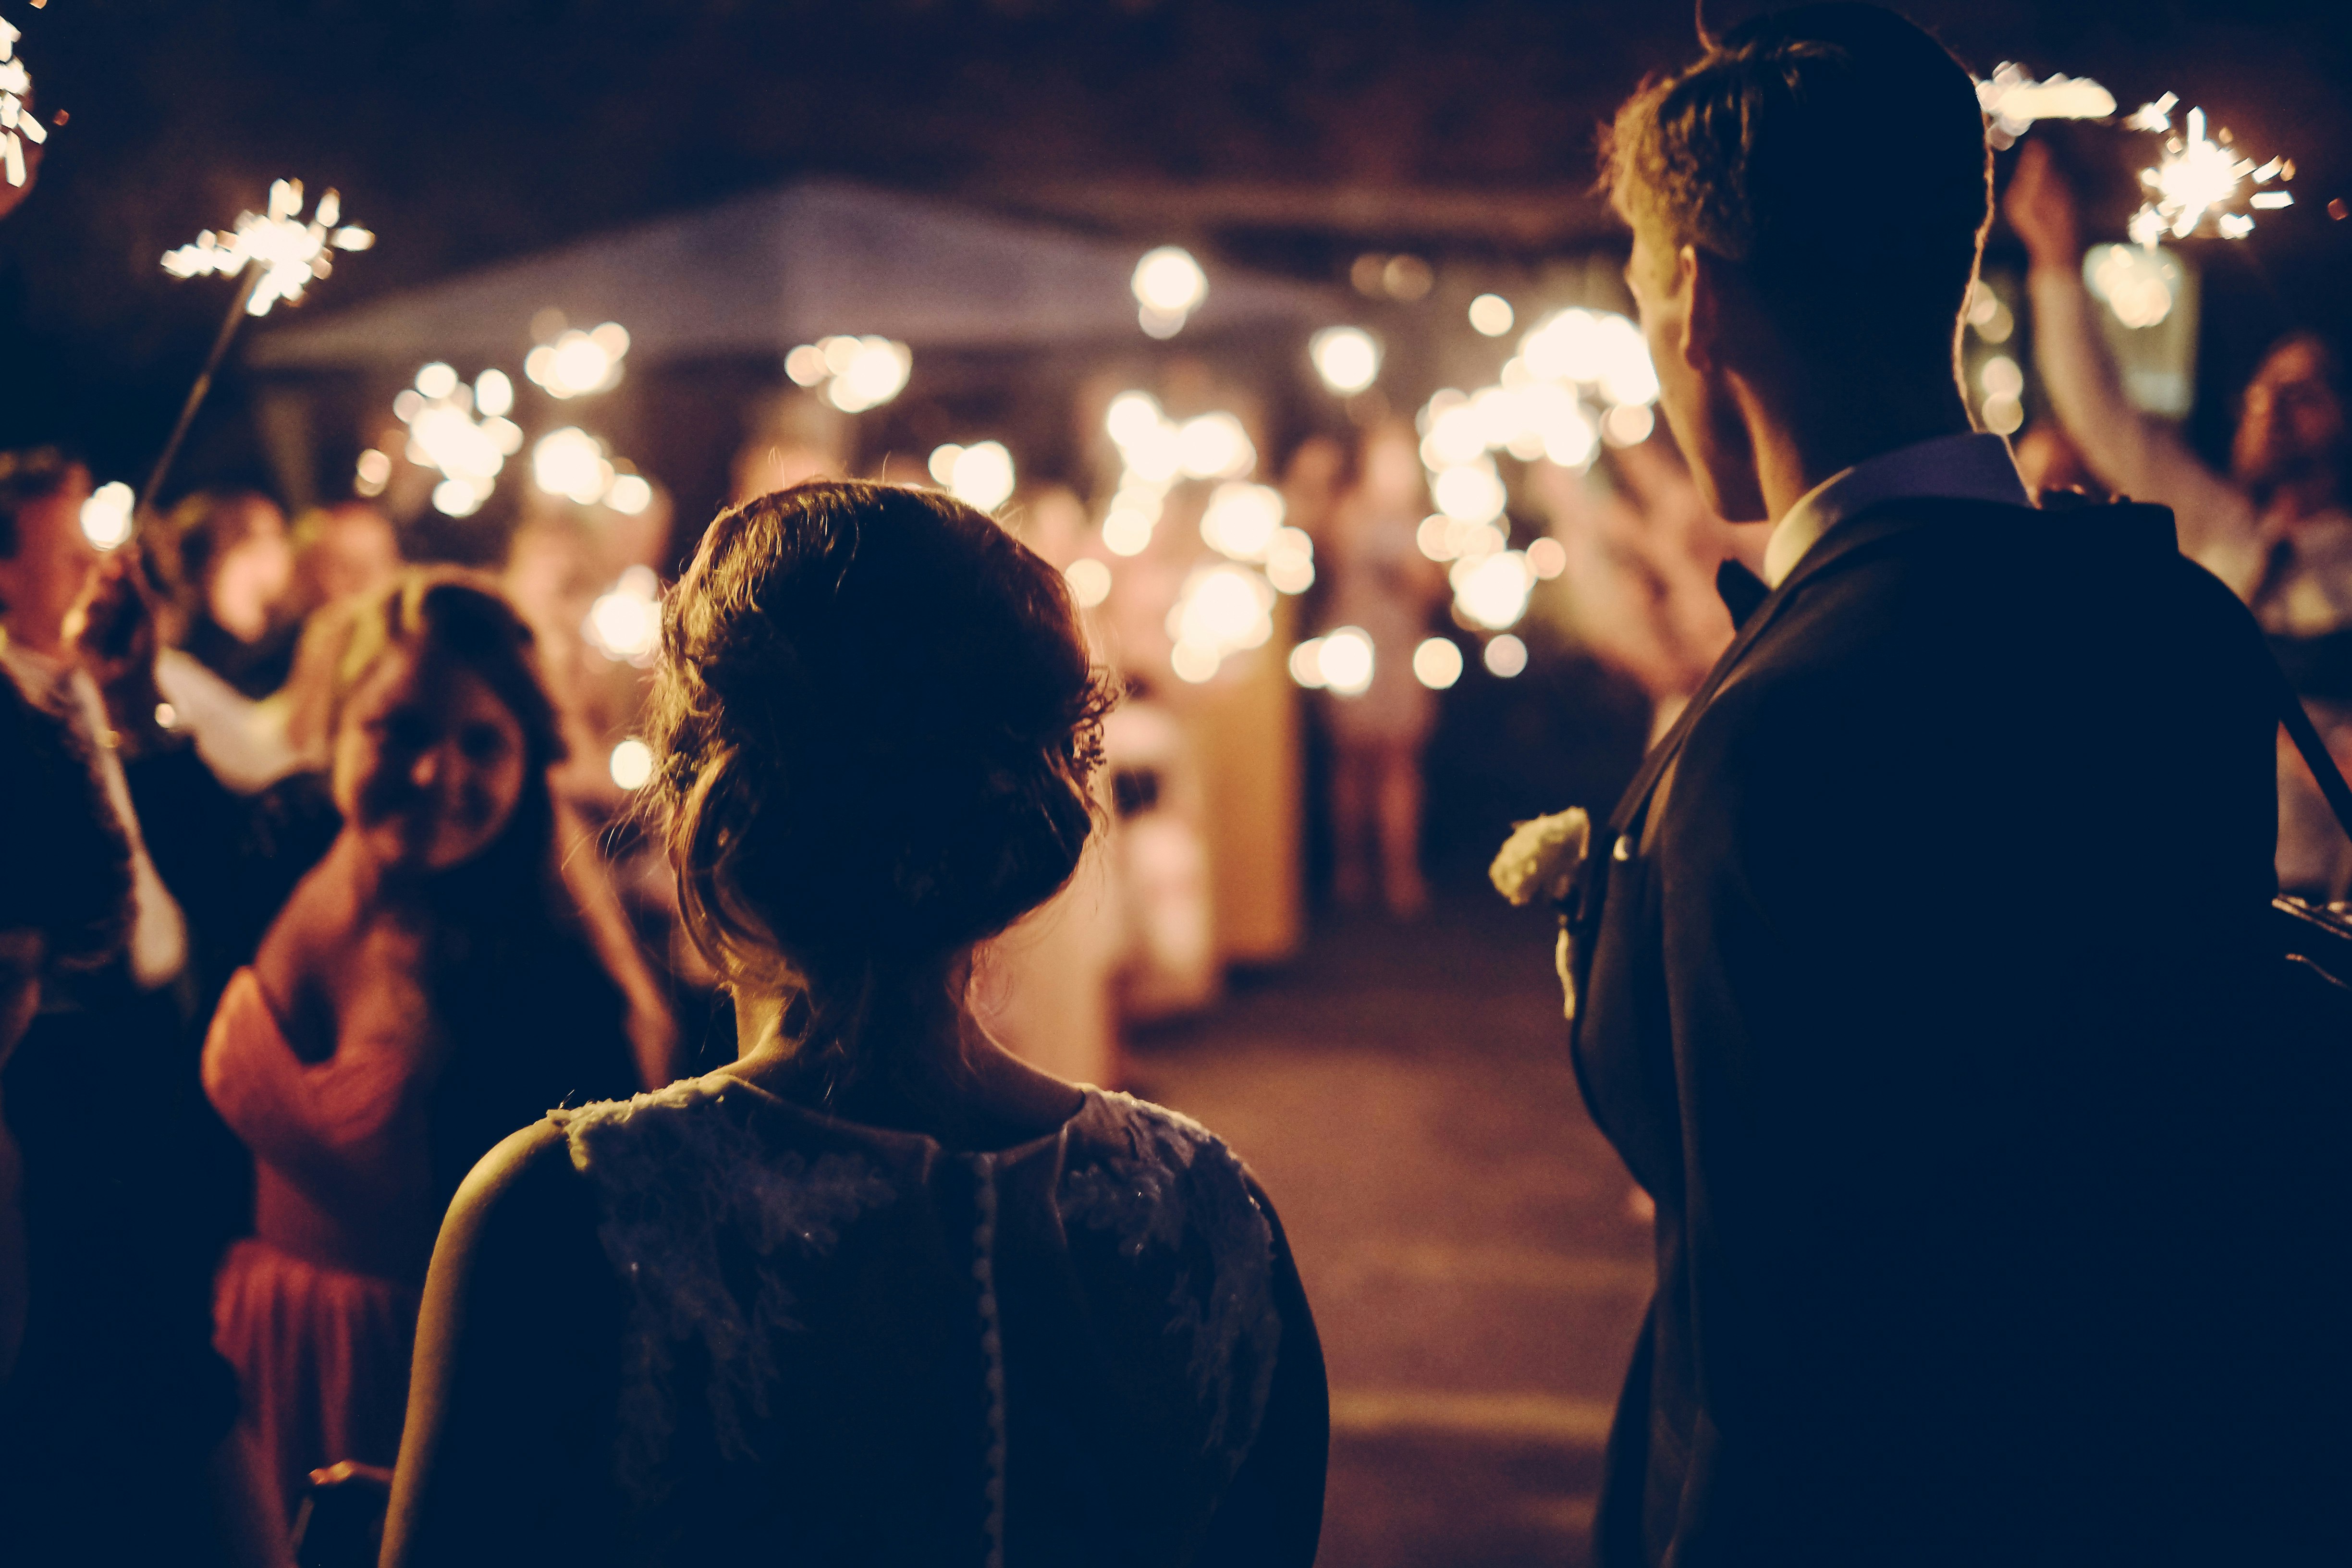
(1699,281)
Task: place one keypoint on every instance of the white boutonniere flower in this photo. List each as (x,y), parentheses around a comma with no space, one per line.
(1539,859)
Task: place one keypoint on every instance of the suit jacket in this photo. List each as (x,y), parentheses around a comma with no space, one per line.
(1906,985)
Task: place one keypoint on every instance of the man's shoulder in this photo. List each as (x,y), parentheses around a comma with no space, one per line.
(1994,579)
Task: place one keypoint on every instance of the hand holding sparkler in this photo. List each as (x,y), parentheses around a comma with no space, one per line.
(2042,207)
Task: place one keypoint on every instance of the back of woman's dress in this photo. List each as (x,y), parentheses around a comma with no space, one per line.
(846,1344)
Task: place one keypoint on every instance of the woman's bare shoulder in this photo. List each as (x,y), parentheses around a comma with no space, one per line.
(526,1170)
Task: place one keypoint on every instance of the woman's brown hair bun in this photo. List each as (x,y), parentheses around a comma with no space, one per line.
(876,721)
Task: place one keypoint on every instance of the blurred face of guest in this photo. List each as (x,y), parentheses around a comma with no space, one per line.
(2293,423)
(354,553)
(253,575)
(1693,386)
(428,764)
(46,585)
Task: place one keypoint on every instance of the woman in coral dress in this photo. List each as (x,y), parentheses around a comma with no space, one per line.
(443,976)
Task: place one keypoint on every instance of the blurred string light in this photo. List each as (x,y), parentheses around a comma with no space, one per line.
(1168,287)
(1437,663)
(1089,581)
(1491,315)
(1346,358)
(2198,178)
(444,433)
(1506,656)
(284,252)
(855,374)
(106,515)
(573,464)
(1580,378)
(624,623)
(573,363)
(1340,661)
(372,474)
(1989,315)
(1243,523)
(2003,386)
(19,126)
(2012,101)
(1155,452)
(1493,590)
(2000,383)
(2137,284)
(632,763)
(980,475)
(1547,558)
(1223,609)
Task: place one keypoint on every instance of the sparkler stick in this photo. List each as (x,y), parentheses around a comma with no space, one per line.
(221,339)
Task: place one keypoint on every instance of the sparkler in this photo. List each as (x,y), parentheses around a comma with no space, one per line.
(2012,101)
(18,126)
(279,254)
(2198,177)
(2194,180)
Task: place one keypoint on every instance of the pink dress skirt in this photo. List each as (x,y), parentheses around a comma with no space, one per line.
(317,1311)
(321,1359)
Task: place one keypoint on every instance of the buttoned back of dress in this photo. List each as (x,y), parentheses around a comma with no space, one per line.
(857,1346)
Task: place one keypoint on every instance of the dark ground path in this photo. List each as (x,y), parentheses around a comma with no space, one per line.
(1467,1239)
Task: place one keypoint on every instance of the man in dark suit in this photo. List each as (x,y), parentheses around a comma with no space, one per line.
(1906,972)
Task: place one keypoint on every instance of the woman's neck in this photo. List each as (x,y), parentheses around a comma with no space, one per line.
(927,1067)
(377,884)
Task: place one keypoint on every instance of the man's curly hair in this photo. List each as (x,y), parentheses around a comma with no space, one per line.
(1838,155)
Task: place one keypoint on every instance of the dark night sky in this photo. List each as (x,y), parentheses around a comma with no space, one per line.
(1288,135)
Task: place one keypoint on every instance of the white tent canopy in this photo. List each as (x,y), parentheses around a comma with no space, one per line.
(764,272)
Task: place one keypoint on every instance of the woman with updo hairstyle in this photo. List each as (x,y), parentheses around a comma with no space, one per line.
(878,1292)
(455,965)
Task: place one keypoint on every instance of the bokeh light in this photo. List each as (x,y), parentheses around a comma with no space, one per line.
(624,623)
(1491,315)
(632,765)
(1343,661)
(1437,663)
(1168,287)
(1089,581)
(1346,358)
(106,515)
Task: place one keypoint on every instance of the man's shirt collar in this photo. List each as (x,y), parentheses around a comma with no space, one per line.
(1973,466)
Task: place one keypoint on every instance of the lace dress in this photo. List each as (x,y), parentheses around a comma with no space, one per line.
(847,1344)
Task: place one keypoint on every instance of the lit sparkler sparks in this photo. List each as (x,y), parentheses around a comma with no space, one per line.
(2012,101)
(18,125)
(2198,178)
(284,252)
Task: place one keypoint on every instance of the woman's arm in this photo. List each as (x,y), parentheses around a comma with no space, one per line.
(2131,453)
(507,1454)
